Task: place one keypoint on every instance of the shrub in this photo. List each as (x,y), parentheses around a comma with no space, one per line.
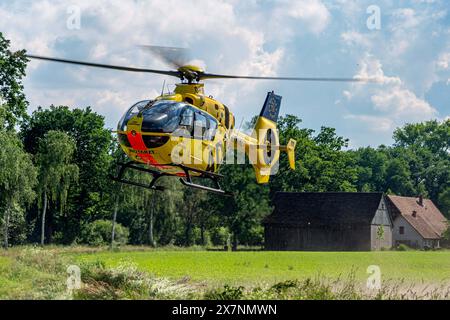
(403,247)
(227,293)
(253,236)
(17,225)
(98,233)
(219,236)
(284,286)
(446,234)
(197,237)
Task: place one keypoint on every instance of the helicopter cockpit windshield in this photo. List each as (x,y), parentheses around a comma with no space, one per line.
(135,109)
(163,116)
(169,116)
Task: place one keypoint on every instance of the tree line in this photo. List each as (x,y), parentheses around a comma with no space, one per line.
(55,185)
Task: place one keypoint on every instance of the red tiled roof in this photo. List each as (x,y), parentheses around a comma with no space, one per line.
(428,220)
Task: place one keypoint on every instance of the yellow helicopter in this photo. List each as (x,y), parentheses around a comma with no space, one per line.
(188,134)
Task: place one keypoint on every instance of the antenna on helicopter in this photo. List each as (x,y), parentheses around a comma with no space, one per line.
(164,84)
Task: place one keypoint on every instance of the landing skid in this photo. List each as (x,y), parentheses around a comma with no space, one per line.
(156,175)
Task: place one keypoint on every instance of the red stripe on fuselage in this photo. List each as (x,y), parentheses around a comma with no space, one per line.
(137,143)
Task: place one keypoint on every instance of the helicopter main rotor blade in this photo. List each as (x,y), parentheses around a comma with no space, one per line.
(106,66)
(195,75)
(205,76)
(173,56)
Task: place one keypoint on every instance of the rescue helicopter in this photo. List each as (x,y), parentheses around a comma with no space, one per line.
(186,133)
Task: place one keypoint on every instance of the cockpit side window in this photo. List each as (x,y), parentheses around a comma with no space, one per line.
(187,120)
(205,126)
(212,128)
(200,126)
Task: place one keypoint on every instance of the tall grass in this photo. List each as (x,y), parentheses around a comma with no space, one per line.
(127,282)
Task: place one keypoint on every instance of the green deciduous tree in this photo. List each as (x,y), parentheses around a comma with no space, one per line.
(371,169)
(321,163)
(2,116)
(243,212)
(91,198)
(12,70)
(418,163)
(57,172)
(444,202)
(431,135)
(17,180)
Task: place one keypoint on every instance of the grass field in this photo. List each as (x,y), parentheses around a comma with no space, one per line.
(254,268)
(142,273)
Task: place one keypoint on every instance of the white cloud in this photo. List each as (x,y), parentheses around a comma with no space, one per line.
(392,101)
(372,68)
(373,123)
(99,51)
(234,37)
(402,104)
(355,38)
(110,31)
(405,18)
(443,62)
(313,12)
(347,94)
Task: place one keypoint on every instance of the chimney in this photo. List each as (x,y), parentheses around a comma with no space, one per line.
(414,213)
(420,200)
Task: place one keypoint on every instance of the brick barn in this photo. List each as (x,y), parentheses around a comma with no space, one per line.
(329,222)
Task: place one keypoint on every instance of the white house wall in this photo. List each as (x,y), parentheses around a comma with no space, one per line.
(410,237)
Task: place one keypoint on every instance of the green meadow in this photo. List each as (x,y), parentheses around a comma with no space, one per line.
(254,268)
(144,273)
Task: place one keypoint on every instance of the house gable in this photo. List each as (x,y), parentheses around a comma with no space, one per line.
(425,218)
(382,216)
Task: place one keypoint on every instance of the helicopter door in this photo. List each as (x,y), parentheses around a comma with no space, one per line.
(187,120)
(213,144)
(203,154)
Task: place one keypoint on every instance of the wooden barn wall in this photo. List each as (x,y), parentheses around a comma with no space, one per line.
(383,242)
(304,238)
(381,220)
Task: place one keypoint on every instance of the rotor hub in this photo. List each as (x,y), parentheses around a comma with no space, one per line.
(190,73)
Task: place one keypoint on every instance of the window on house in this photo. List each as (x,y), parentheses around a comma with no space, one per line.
(401,230)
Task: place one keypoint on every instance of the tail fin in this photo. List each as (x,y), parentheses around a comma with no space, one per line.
(268,149)
(271,107)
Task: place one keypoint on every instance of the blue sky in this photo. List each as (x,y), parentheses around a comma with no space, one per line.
(410,53)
